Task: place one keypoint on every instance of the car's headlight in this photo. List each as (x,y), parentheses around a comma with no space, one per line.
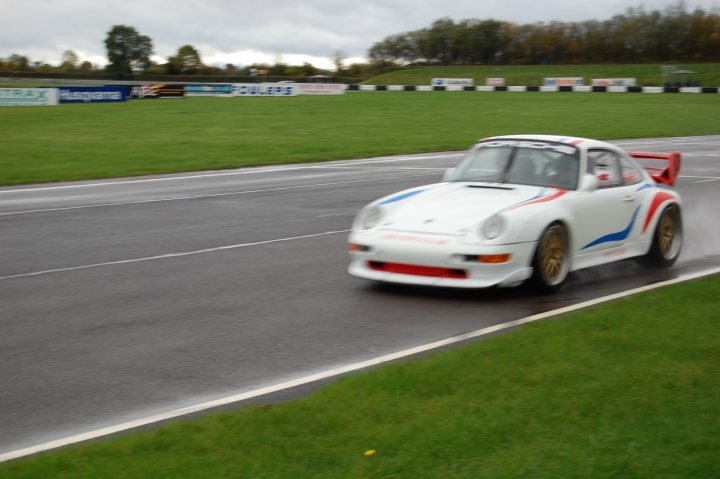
(492,227)
(370,217)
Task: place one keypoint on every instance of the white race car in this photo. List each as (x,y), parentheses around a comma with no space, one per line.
(519,208)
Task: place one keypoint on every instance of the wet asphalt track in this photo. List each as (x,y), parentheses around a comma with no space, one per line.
(102,321)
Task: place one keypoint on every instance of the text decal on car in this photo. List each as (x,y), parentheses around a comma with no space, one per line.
(566,149)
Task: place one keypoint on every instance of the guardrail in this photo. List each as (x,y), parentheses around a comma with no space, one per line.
(550,88)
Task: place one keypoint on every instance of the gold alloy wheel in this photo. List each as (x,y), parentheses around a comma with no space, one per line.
(553,256)
(666,234)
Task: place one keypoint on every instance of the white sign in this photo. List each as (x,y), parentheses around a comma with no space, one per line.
(453,82)
(614,82)
(321,88)
(28,96)
(264,89)
(494,82)
(563,81)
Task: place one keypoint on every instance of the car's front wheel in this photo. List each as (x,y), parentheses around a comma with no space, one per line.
(551,262)
(667,239)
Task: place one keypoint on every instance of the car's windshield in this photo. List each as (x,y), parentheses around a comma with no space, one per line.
(523,162)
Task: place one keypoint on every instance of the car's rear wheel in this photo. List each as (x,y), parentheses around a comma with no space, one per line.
(667,239)
(551,261)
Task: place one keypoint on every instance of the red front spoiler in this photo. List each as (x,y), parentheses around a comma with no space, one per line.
(417,270)
(667,175)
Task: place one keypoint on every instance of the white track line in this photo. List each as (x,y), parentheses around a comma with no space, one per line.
(214,195)
(170,255)
(330,373)
(265,190)
(367,161)
(246,171)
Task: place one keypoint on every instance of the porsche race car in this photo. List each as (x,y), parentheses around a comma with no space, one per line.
(523,208)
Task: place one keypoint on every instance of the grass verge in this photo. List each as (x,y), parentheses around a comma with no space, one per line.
(85,141)
(629,390)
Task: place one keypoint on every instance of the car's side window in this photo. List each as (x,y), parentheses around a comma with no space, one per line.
(605,164)
(631,172)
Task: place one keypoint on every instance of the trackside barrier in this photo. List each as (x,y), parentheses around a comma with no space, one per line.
(564,81)
(157,90)
(210,89)
(321,88)
(90,94)
(452,82)
(265,89)
(613,82)
(543,88)
(280,89)
(28,96)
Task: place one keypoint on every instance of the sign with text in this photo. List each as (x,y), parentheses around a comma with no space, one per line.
(160,90)
(321,88)
(28,96)
(614,82)
(564,81)
(453,82)
(265,89)
(210,89)
(82,94)
(494,82)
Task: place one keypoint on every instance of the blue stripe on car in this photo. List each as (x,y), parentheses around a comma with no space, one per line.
(619,236)
(644,186)
(401,197)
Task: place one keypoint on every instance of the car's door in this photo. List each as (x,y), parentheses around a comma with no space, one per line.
(606,218)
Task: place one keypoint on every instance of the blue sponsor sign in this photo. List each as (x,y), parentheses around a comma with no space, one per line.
(564,81)
(208,90)
(96,94)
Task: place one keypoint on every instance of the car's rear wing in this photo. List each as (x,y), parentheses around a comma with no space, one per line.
(667,175)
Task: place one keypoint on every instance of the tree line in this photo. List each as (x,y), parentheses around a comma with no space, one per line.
(129,52)
(674,34)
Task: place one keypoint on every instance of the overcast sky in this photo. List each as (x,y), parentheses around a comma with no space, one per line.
(242,32)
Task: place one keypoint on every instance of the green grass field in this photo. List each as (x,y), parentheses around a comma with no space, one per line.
(84,141)
(627,390)
(707,74)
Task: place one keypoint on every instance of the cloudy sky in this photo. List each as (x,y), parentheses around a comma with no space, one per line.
(242,32)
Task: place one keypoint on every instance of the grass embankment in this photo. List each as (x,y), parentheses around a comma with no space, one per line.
(71,142)
(629,390)
(707,74)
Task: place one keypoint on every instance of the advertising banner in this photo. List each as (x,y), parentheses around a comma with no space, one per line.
(614,82)
(143,91)
(453,82)
(320,88)
(210,89)
(563,81)
(265,89)
(28,96)
(160,90)
(102,94)
(494,82)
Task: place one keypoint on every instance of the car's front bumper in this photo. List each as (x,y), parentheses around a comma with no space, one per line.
(437,260)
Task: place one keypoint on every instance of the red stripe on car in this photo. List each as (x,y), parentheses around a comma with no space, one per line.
(544,199)
(659,199)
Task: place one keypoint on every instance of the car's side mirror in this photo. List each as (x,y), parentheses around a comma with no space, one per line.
(448,174)
(589,183)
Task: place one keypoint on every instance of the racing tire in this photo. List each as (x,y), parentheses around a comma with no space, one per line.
(667,239)
(551,261)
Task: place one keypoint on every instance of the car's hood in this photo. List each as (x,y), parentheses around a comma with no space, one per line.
(451,207)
